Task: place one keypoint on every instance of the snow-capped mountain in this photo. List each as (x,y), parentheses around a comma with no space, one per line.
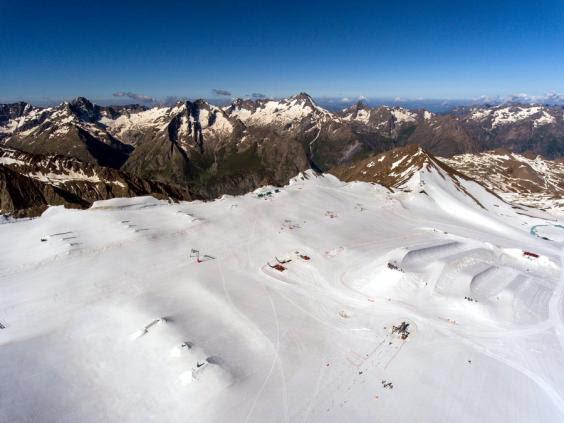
(109,135)
(70,129)
(234,149)
(507,115)
(410,169)
(287,113)
(521,181)
(383,117)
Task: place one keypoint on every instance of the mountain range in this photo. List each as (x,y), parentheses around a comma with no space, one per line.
(198,150)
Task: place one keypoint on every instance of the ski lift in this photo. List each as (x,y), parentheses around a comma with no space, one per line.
(194,253)
(200,258)
(302,256)
(401,330)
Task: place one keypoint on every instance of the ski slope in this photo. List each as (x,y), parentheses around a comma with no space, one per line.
(106,317)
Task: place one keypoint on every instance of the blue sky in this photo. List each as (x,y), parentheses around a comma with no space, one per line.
(60,49)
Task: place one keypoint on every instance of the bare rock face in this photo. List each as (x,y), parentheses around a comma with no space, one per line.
(393,168)
(19,195)
(10,112)
(29,183)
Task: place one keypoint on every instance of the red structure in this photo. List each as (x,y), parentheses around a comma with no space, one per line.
(278,267)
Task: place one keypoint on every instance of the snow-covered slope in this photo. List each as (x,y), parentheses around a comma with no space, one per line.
(385,306)
(433,183)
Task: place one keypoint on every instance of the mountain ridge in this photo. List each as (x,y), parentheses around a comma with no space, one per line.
(213,150)
(29,183)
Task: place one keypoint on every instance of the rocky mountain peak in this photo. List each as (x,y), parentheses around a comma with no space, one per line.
(361,105)
(13,110)
(84,109)
(241,103)
(201,104)
(392,168)
(82,103)
(304,98)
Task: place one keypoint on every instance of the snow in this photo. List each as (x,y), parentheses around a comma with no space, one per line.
(203,118)
(512,114)
(66,175)
(159,117)
(544,119)
(242,114)
(61,130)
(275,112)
(509,115)
(156,117)
(11,161)
(66,172)
(184,129)
(221,123)
(363,116)
(480,114)
(109,319)
(280,112)
(29,114)
(398,162)
(403,115)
